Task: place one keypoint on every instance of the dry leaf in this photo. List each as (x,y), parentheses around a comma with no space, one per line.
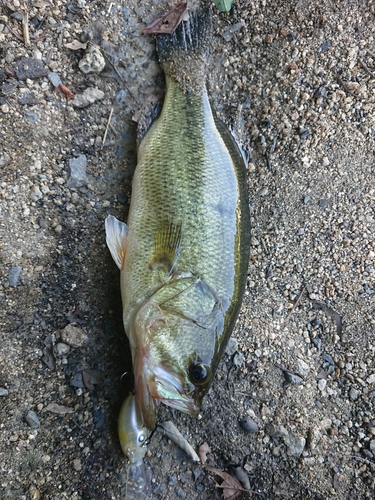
(67,92)
(202,452)
(174,435)
(92,377)
(59,409)
(76,45)
(167,22)
(231,486)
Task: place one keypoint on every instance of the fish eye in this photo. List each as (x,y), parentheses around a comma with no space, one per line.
(199,373)
(141,438)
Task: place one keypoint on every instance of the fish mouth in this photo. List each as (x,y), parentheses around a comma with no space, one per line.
(174,390)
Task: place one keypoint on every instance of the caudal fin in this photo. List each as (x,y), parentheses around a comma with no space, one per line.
(184,55)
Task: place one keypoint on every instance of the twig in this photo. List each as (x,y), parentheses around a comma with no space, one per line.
(364,460)
(41,37)
(21,38)
(297,301)
(370,53)
(49,55)
(107,127)
(17,35)
(79,426)
(366,68)
(25,27)
(269,166)
(265,247)
(107,57)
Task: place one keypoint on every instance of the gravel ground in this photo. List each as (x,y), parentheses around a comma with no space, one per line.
(292,410)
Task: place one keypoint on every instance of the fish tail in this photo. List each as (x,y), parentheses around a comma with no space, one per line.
(184,55)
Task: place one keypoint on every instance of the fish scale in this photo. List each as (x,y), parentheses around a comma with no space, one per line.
(186,180)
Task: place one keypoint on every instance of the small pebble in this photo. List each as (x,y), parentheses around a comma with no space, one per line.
(325,46)
(14,276)
(291,379)
(249,425)
(313,439)
(242,476)
(4,159)
(34,493)
(354,394)
(77,464)
(77,381)
(305,133)
(276,431)
(93,61)
(172,480)
(32,116)
(328,359)
(3,392)
(323,203)
(238,359)
(121,96)
(54,79)
(317,342)
(73,336)
(322,384)
(62,348)
(89,96)
(28,69)
(232,346)
(32,419)
(77,168)
(302,368)
(122,198)
(295,444)
(35,193)
(180,492)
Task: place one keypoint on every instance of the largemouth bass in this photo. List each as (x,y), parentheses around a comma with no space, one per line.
(184,253)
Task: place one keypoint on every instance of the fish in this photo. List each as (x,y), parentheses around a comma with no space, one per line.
(183,254)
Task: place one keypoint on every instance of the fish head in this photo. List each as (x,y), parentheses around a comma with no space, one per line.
(176,358)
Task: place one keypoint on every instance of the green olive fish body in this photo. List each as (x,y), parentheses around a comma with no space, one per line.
(183,254)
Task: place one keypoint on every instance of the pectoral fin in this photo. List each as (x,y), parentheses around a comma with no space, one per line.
(116,235)
(167,246)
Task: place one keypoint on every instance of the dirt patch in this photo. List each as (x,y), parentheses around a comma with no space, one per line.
(296,82)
